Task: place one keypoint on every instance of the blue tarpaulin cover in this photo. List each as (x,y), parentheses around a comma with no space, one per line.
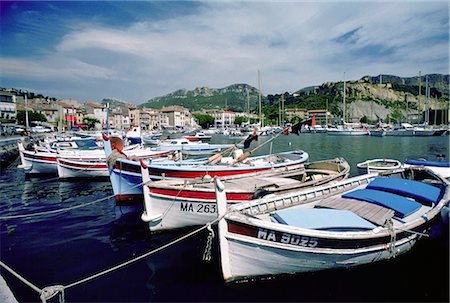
(413,189)
(400,205)
(323,219)
(428,163)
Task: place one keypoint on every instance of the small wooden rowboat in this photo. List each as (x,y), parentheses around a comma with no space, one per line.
(359,220)
(378,165)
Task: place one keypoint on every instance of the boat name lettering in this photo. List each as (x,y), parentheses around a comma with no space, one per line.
(199,208)
(286,238)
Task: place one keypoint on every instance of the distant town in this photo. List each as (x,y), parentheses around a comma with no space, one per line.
(70,114)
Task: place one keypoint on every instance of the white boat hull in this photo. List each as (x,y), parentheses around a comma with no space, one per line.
(34,163)
(377,133)
(179,213)
(40,167)
(400,133)
(378,165)
(262,258)
(76,169)
(339,132)
(255,243)
(423,133)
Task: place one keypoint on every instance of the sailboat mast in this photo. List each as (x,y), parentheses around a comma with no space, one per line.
(259,99)
(426,100)
(420,89)
(343,111)
(279,112)
(248,104)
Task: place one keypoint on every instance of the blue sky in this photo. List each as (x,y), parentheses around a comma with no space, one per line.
(138,50)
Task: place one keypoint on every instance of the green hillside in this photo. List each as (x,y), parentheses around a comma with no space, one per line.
(233,97)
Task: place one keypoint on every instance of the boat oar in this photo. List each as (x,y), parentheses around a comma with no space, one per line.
(216,158)
(248,153)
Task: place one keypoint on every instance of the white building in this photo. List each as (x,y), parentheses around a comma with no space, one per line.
(227,117)
(8,109)
(178,116)
(96,111)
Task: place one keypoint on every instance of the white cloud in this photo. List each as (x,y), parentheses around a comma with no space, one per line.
(293,44)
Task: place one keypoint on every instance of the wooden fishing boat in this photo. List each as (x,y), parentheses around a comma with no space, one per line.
(77,162)
(44,162)
(378,165)
(359,220)
(179,203)
(126,177)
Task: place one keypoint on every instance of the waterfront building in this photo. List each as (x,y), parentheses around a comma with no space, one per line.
(120,118)
(135,116)
(178,116)
(8,108)
(71,112)
(227,117)
(151,118)
(96,111)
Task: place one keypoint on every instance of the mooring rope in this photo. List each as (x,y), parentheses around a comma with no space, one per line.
(25,281)
(412,232)
(49,292)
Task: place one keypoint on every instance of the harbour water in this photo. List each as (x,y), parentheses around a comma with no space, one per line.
(62,248)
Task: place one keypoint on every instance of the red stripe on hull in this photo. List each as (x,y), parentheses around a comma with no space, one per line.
(129,199)
(200,174)
(101,166)
(207,195)
(37,157)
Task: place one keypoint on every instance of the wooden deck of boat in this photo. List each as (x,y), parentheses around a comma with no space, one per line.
(371,212)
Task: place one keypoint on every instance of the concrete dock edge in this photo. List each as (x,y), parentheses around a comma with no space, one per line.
(6,295)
